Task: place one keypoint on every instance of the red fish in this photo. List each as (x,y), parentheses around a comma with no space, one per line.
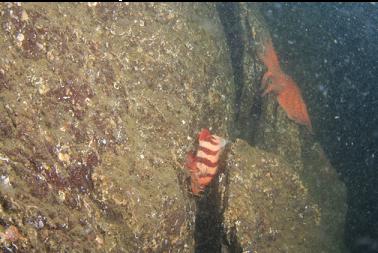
(203,166)
(287,91)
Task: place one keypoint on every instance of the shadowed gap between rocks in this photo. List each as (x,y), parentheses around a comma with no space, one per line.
(209,234)
(230,18)
(208,221)
(241,45)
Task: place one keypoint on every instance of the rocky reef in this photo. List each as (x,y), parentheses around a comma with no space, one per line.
(101,102)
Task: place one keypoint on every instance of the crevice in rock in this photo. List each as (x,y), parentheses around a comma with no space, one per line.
(209,233)
(237,26)
(230,18)
(208,226)
(254,109)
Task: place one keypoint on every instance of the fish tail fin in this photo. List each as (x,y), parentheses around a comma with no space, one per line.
(307,119)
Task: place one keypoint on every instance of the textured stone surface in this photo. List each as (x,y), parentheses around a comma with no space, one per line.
(269,208)
(99,104)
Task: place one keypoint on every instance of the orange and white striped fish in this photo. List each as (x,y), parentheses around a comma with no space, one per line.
(203,166)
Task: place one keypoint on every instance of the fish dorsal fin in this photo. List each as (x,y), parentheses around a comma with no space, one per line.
(204,134)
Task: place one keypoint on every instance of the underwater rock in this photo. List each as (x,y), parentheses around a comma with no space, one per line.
(269,208)
(100,104)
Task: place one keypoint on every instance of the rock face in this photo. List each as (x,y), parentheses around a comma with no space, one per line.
(269,208)
(257,194)
(100,103)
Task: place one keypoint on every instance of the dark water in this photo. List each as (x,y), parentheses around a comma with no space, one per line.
(334,47)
